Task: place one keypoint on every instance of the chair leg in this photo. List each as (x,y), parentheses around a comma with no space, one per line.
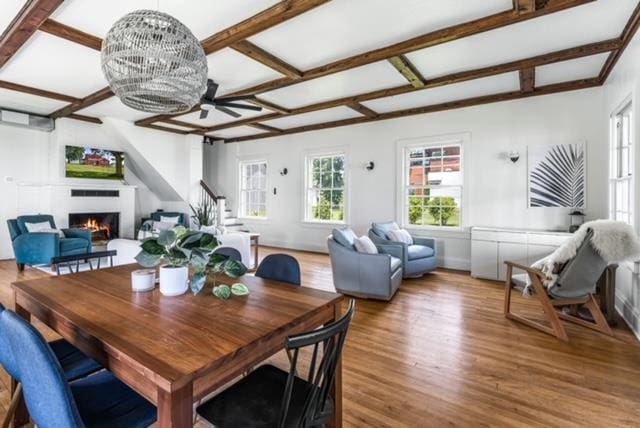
(17,395)
(600,322)
(508,285)
(556,328)
(20,267)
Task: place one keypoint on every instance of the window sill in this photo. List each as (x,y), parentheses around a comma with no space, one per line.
(442,232)
(254,219)
(323,224)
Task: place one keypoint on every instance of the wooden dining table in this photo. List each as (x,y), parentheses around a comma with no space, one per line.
(175,350)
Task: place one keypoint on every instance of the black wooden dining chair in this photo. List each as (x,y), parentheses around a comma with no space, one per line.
(271,397)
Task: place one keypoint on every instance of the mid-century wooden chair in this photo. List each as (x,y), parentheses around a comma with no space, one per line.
(574,288)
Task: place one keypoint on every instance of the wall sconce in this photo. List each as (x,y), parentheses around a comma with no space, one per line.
(284,171)
(369,166)
(514,155)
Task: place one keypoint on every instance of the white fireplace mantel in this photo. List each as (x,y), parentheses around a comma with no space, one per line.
(56,199)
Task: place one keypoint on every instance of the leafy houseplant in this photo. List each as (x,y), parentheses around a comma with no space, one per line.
(205,213)
(182,248)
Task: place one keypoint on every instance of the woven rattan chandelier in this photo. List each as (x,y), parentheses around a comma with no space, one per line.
(154,63)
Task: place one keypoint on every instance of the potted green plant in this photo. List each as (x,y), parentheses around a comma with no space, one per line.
(180,248)
(204,214)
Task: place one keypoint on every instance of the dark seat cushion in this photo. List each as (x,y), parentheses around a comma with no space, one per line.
(255,401)
(74,363)
(72,244)
(395,263)
(104,401)
(419,252)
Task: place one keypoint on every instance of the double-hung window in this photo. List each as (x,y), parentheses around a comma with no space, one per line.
(253,189)
(325,188)
(621,166)
(432,185)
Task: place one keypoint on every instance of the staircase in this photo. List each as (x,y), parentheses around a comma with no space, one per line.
(225,217)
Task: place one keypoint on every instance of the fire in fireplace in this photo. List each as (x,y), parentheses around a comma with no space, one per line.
(103,226)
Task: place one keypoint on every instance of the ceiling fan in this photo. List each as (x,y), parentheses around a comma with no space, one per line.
(223,104)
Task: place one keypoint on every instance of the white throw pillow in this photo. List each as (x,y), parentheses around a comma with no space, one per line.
(364,244)
(172,220)
(159,226)
(400,235)
(42,227)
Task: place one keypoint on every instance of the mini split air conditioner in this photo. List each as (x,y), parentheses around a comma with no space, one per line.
(26,120)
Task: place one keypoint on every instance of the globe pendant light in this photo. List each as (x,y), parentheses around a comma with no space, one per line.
(153,63)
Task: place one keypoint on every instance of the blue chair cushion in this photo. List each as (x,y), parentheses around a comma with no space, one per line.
(381,229)
(419,252)
(104,401)
(395,263)
(280,267)
(345,237)
(74,363)
(71,244)
(33,219)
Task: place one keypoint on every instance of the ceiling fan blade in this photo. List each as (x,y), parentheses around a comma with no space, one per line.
(204,114)
(212,88)
(234,105)
(227,111)
(236,98)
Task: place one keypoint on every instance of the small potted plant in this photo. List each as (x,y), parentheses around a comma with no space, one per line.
(204,215)
(181,248)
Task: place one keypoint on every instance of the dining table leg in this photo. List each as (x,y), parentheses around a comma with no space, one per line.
(175,408)
(336,391)
(20,414)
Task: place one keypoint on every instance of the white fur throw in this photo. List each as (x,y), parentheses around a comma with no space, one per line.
(615,241)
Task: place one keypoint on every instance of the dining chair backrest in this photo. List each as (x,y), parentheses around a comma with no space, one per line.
(6,356)
(322,371)
(47,393)
(280,267)
(230,252)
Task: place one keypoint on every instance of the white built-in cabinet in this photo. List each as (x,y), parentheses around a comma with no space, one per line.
(491,247)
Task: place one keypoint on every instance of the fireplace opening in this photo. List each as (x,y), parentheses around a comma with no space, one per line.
(103,226)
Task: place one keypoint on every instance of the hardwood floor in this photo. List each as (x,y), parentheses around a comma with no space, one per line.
(442,354)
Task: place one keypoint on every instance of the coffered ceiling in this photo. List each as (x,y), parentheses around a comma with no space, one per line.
(316,64)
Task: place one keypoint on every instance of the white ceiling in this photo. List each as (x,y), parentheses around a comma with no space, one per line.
(333,31)
(239,131)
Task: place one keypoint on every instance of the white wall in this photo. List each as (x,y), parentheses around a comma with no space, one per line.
(496,191)
(153,157)
(623,85)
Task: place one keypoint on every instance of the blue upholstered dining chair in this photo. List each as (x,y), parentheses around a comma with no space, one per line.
(230,252)
(75,365)
(40,247)
(280,267)
(417,259)
(97,400)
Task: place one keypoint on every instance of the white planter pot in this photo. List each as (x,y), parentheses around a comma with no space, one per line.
(174,281)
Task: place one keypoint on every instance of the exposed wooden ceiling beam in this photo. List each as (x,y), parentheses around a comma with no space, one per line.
(84,118)
(269,106)
(85,102)
(433,38)
(183,124)
(258,54)
(26,22)
(527,79)
(264,127)
(242,122)
(404,67)
(166,129)
(268,18)
(362,109)
(524,6)
(57,29)
(629,31)
(39,92)
(514,95)
(463,76)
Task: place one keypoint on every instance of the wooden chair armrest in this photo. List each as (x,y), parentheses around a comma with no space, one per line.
(528,269)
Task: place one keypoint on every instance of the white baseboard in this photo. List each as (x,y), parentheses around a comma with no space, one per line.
(629,314)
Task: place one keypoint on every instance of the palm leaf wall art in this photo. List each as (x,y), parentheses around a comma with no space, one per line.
(557,176)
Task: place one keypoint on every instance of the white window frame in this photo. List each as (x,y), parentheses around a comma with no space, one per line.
(616,150)
(404,147)
(306,208)
(241,208)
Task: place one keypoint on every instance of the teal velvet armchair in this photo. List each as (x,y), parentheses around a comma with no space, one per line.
(40,247)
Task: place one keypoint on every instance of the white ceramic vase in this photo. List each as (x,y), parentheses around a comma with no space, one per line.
(174,281)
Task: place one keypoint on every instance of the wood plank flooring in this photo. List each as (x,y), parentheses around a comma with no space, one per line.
(442,354)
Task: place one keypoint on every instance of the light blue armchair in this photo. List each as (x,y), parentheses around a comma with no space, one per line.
(375,276)
(417,259)
(40,247)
